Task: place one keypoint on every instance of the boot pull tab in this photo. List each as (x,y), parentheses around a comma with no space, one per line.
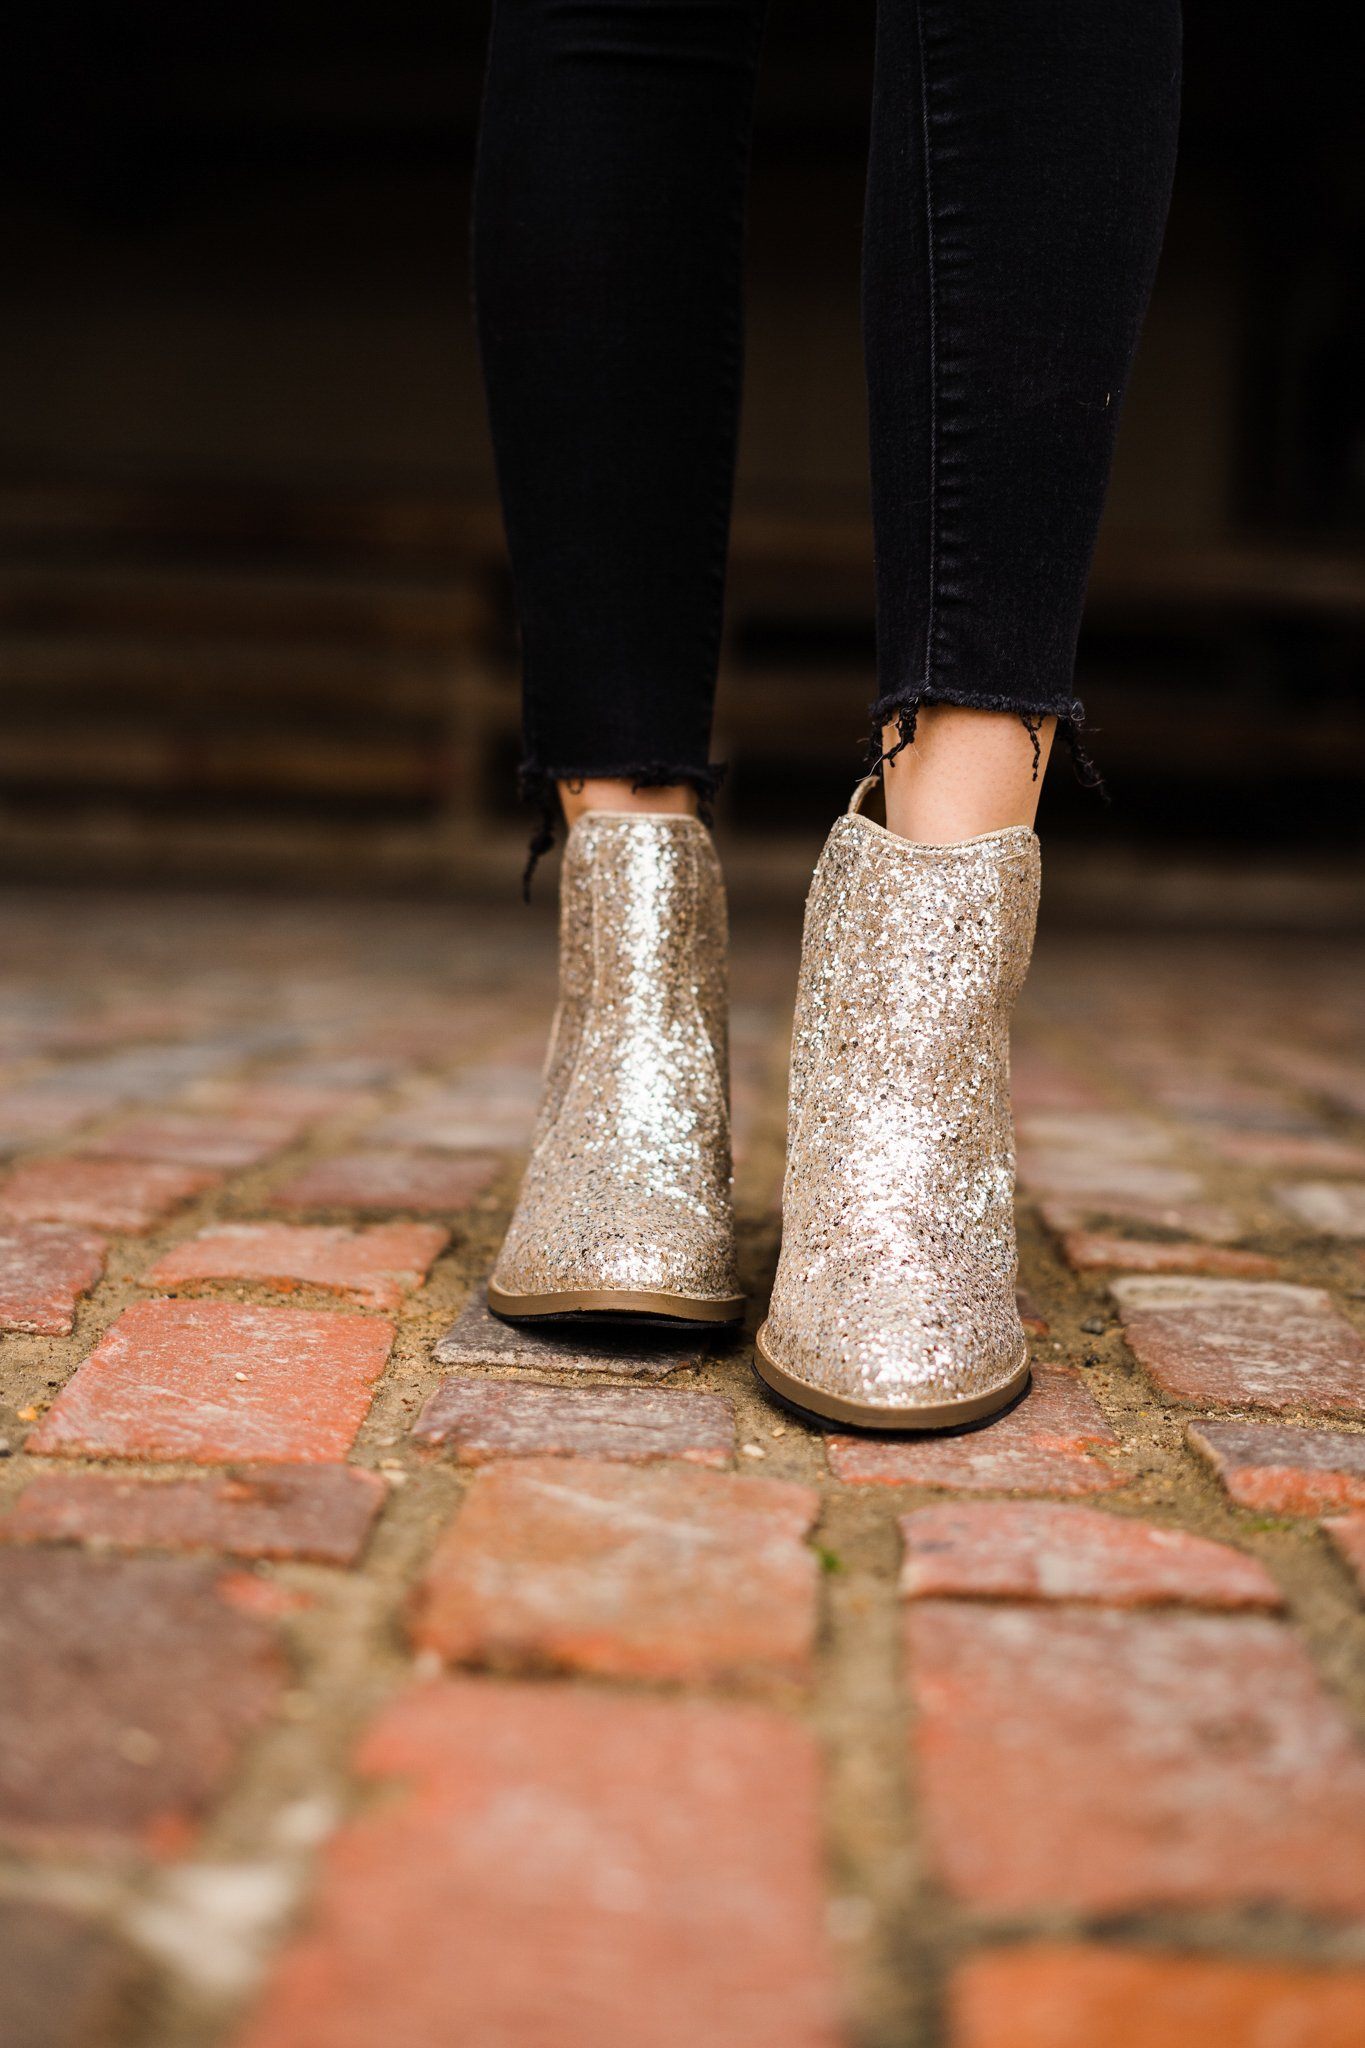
(864,790)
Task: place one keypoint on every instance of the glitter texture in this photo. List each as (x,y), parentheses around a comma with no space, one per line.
(628,1187)
(895,1288)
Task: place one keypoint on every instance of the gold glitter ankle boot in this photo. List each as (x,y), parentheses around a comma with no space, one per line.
(626,1205)
(894,1303)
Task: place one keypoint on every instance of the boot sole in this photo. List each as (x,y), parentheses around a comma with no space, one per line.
(611,1303)
(863,1415)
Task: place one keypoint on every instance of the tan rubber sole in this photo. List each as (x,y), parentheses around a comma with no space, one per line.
(863,1415)
(530,1308)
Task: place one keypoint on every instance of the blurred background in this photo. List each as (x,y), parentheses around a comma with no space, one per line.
(254,619)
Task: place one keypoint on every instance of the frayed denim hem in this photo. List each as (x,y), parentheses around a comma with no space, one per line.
(902,709)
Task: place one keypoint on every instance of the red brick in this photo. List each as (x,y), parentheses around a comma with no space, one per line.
(323,1513)
(488,1109)
(1346,1533)
(350,1072)
(1338,1081)
(1282,1471)
(113,1194)
(479,1421)
(1039,1082)
(127,1688)
(44,1269)
(1099,1762)
(254,1593)
(660,1573)
(568,1869)
(298,1104)
(1092,1140)
(35,1111)
(1091,1251)
(1211,1222)
(65,1981)
(424,1183)
(1046,1444)
(1287,1151)
(1335,1208)
(478,1338)
(1249,1343)
(213,1381)
(1104,1182)
(377,1264)
(1058,1996)
(1206,1098)
(228,1143)
(1038,1550)
(455,1027)
(1031,1315)
(1195,1083)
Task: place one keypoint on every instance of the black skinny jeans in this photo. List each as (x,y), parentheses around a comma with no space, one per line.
(1020,165)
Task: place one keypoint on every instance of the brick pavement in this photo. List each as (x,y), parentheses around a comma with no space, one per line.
(370,1672)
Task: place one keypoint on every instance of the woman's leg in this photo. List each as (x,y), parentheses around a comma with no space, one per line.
(1018,179)
(1020,161)
(608,227)
(965,772)
(609,205)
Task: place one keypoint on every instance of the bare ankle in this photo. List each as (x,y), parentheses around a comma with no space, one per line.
(582,793)
(965,772)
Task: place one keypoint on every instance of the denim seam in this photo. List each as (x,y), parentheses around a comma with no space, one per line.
(733,375)
(931,284)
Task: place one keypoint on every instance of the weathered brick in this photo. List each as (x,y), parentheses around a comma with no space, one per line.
(1039,1550)
(1338,1081)
(1045,1444)
(44,1270)
(214,1381)
(65,1982)
(1091,1251)
(1040,1082)
(1283,1471)
(491,1108)
(553,1866)
(1212,1222)
(1105,1184)
(1031,1315)
(112,1194)
(1249,1343)
(1346,1533)
(656,1573)
(127,1688)
(1210,1098)
(1074,1185)
(1055,1995)
(1096,1139)
(478,1421)
(377,1264)
(253,1592)
(1102,1762)
(299,1104)
(348,1071)
(1287,1151)
(32,1114)
(227,1143)
(478,1338)
(323,1513)
(1336,1208)
(424,1183)
(451,1029)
